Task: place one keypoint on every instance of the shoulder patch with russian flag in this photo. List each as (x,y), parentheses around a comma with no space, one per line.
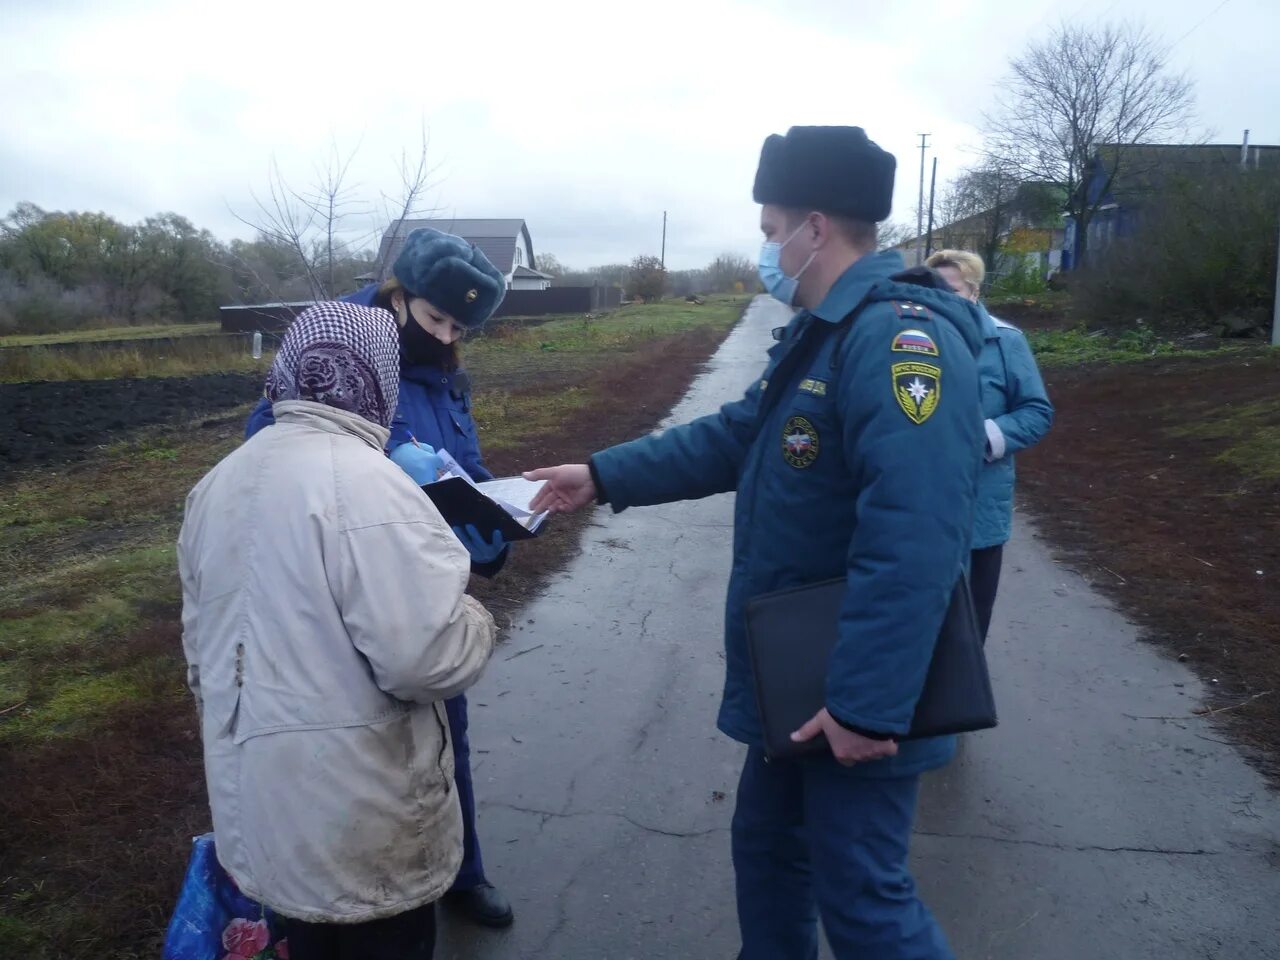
(915,341)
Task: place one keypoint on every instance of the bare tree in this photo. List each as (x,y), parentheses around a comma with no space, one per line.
(1078,90)
(892,233)
(315,222)
(979,209)
(333,201)
(550,264)
(309,220)
(731,273)
(416,178)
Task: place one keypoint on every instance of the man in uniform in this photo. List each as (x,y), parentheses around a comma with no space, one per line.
(856,454)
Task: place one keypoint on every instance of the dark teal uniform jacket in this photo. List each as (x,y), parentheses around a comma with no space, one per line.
(865,466)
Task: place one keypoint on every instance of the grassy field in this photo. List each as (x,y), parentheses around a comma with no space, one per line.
(1247,435)
(107,334)
(97,737)
(106,361)
(498,353)
(514,360)
(1076,346)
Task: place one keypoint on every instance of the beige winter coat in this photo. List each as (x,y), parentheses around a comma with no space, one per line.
(323,622)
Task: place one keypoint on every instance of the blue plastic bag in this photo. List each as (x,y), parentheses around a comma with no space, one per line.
(215,921)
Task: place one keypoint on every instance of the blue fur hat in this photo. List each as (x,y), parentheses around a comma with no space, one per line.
(452,274)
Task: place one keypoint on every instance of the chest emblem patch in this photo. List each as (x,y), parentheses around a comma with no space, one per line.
(800,443)
(918,388)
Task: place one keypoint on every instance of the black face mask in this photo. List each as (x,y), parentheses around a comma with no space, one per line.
(419,348)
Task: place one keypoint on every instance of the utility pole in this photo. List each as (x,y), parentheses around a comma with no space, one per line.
(664,240)
(1275,307)
(924,137)
(933,183)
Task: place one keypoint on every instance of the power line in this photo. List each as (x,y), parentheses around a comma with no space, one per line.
(1209,16)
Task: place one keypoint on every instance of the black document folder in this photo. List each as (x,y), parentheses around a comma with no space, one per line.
(791,634)
(461,503)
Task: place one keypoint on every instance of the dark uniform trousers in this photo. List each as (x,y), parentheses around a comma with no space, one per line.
(984,581)
(814,840)
(471,874)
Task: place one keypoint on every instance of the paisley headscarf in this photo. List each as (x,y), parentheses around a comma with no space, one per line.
(342,355)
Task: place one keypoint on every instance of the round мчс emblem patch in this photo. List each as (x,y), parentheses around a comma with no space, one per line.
(799,443)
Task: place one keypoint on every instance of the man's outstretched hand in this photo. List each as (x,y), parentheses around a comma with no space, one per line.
(568,488)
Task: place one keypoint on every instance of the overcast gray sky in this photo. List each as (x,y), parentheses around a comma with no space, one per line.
(587,119)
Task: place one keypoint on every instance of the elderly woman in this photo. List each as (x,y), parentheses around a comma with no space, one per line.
(324,624)
(1018,415)
(440,287)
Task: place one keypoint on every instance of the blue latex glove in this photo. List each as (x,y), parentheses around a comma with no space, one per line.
(419,461)
(481,550)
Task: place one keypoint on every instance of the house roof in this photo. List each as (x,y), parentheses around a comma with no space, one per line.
(974,226)
(1197,153)
(496,239)
(1144,168)
(1035,204)
(525,273)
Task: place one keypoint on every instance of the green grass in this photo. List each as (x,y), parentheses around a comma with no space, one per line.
(107,334)
(87,560)
(1252,433)
(1047,299)
(507,421)
(104,361)
(63,633)
(89,594)
(620,327)
(81,701)
(568,345)
(17,937)
(562,352)
(1061,348)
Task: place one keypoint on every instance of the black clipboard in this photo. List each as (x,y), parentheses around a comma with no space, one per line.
(460,504)
(791,633)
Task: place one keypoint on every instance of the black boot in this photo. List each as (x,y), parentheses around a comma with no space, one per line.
(484,905)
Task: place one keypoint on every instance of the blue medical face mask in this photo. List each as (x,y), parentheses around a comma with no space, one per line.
(780,286)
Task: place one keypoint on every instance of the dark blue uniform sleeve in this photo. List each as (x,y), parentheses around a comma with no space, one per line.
(473,463)
(687,462)
(259,417)
(400,432)
(915,485)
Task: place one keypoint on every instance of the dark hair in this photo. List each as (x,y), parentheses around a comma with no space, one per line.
(860,233)
(382,298)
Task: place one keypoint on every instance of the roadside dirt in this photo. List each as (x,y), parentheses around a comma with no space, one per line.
(1181,526)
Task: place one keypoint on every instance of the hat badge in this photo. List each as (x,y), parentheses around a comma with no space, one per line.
(471,295)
